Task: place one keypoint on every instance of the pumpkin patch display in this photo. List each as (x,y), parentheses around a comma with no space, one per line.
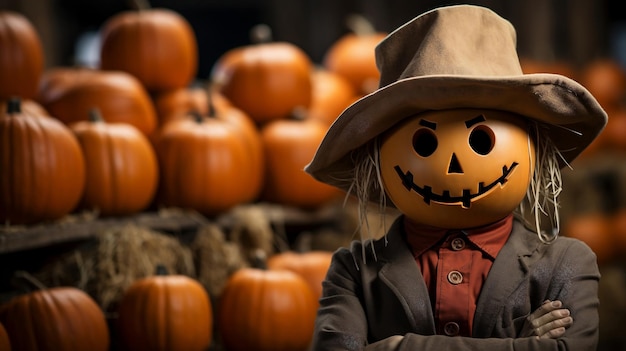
(165,312)
(43,167)
(352,55)
(266,310)
(289,145)
(22,59)
(59,319)
(156,45)
(209,163)
(267,80)
(121,166)
(69,93)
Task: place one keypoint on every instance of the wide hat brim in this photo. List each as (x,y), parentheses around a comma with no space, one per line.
(568,114)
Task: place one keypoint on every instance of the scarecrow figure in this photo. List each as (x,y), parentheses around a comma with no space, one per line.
(469,150)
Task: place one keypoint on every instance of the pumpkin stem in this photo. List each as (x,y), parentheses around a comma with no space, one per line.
(139,5)
(197,116)
(14,105)
(161,270)
(360,25)
(28,281)
(261,33)
(299,113)
(212,111)
(95,115)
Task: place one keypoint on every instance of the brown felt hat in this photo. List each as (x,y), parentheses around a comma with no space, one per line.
(461,56)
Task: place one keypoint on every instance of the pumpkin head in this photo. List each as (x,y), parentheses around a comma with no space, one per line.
(60,319)
(22,59)
(158,46)
(289,145)
(211,162)
(457,168)
(69,94)
(266,80)
(121,164)
(266,310)
(165,312)
(43,167)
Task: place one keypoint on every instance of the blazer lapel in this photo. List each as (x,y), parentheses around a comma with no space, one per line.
(509,270)
(401,274)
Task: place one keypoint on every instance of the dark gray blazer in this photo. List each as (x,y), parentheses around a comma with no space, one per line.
(381,302)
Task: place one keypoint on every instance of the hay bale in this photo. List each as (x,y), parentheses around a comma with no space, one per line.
(117,258)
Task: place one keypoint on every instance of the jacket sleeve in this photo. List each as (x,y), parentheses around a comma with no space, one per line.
(572,278)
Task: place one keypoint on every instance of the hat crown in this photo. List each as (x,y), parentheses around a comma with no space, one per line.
(463,40)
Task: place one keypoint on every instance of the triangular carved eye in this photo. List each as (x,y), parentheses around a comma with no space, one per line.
(455,165)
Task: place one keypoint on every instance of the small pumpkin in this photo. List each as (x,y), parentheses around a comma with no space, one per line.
(210,163)
(266,79)
(43,167)
(156,45)
(266,310)
(5,343)
(60,318)
(69,93)
(332,94)
(121,165)
(310,265)
(352,55)
(22,59)
(178,103)
(289,146)
(165,312)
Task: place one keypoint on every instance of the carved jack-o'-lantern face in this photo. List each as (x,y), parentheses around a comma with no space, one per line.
(457,168)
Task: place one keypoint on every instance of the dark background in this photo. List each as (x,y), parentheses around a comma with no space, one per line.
(575,31)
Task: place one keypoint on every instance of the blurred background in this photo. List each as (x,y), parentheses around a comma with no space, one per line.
(583,39)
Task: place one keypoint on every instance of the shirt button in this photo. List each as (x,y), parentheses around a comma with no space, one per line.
(451,329)
(455,277)
(458,244)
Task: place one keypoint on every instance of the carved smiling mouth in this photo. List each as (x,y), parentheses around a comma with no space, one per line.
(465,199)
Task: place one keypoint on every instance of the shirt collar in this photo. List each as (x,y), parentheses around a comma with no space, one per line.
(489,239)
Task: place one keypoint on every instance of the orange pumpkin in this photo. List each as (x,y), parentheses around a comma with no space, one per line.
(165,312)
(266,310)
(22,58)
(156,45)
(310,265)
(60,319)
(605,78)
(352,55)
(332,94)
(5,344)
(70,93)
(289,146)
(209,163)
(43,167)
(178,103)
(266,80)
(122,170)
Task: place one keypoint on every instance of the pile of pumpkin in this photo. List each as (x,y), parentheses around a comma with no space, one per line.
(141,131)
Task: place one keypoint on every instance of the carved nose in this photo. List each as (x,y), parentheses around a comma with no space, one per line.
(454,166)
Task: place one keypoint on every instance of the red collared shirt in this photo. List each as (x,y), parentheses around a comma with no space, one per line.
(455,264)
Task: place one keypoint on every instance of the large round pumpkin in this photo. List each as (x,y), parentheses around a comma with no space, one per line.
(165,312)
(55,319)
(209,163)
(289,146)
(352,55)
(310,265)
(156,45)
(266,80)
(43,167)
(69,93)
(266,310)
(21,56)
(122,169)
